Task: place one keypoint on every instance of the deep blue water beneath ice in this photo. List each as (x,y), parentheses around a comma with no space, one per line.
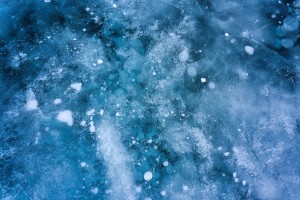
(141,99)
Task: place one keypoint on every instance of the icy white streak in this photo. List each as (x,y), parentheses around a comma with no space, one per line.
(116,159)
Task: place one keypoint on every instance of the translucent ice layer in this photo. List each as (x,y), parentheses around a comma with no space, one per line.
(164,99)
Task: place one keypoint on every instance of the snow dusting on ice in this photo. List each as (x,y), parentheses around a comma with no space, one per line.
(76,86)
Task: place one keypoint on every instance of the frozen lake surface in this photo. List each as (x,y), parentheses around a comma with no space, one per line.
(141,99)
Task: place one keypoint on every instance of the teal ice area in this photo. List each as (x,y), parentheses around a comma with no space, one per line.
(149,99)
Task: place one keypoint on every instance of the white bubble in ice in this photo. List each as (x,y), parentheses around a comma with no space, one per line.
(57,101)
(211,85)
(83,164)
(148,176)
(166,163)
(184,55)
(95,190)
(100,61)
(249,50)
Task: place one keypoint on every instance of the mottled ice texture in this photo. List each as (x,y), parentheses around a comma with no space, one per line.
(141,99)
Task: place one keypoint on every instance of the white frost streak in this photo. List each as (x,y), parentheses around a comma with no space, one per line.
(116,159)
(32,103)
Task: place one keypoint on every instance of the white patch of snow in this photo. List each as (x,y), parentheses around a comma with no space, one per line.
(31,104)
(76,86)
(83,123)
(101,112)
(226,154)
(65,116)
(90,112)
(117,162)
(57,101)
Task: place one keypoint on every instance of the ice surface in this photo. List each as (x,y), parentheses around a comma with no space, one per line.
(290,23)
(149,99)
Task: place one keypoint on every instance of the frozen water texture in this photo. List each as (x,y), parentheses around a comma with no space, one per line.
(291,23)
(149,99)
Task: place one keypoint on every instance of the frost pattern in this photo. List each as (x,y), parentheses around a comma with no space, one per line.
(134,99)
